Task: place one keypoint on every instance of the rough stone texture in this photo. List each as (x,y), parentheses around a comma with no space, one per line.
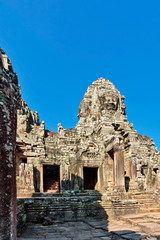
(9,96)
(103,144)
(91,229)
(21,216)
(100,169)
(71,208)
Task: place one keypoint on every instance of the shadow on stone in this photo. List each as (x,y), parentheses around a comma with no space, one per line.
(36,178)
(73,213)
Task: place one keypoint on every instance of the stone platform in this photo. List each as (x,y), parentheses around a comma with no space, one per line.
(147,222)
(62,208)
(96,229)
(77,206)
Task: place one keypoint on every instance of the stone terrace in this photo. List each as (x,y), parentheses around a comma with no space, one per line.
(132,227)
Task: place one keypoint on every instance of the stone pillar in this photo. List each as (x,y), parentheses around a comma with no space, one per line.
(133,168)
(158,179)
(119,169)
(41,179)
(9,95)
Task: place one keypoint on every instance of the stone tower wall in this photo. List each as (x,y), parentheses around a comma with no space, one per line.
(9,96)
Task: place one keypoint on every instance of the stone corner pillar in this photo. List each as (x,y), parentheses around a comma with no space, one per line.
(119,169)
(9,97)
(133,167)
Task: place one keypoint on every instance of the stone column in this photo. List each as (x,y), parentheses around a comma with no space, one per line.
(133,167)
(119,168)
(41,179)
(9,95)
(158,179)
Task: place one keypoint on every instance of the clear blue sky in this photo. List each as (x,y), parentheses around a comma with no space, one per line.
(59,47)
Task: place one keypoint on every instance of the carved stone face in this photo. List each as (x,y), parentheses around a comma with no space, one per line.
(101,99)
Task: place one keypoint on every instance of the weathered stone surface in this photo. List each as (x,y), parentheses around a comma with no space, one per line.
(101,168)
(21,216)
(103,152)
(115,230)
(63,208)
(9,97)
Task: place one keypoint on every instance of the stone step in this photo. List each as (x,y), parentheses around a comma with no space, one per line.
(146,200)
(68,194)
(147,222)
(24,195)
(109,205)
(139,197)
(147,204)
(64,208)
(151,209)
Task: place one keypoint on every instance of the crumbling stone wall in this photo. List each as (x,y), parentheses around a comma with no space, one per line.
(9,96)
(30,150)
(148,164)
(103,139)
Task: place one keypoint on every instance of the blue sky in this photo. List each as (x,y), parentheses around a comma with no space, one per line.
(58,48)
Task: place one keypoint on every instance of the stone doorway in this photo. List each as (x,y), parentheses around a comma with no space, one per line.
(51,178)
(127,180)
(90,177)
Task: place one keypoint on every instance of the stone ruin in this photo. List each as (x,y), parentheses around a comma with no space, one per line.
(102,167)
(9,99)
(104,152)
(103,160)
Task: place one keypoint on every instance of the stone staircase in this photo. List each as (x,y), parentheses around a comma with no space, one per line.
(147,201)
(119,203)
(51,186)
(67,206)
(71,205)
(148,223)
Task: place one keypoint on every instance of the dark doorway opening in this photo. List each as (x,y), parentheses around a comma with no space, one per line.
(90,177)
(51,178)
(111,154)
(127,180)
(24,160)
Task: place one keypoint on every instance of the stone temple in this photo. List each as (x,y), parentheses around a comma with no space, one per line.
(102,167)
(104,152)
